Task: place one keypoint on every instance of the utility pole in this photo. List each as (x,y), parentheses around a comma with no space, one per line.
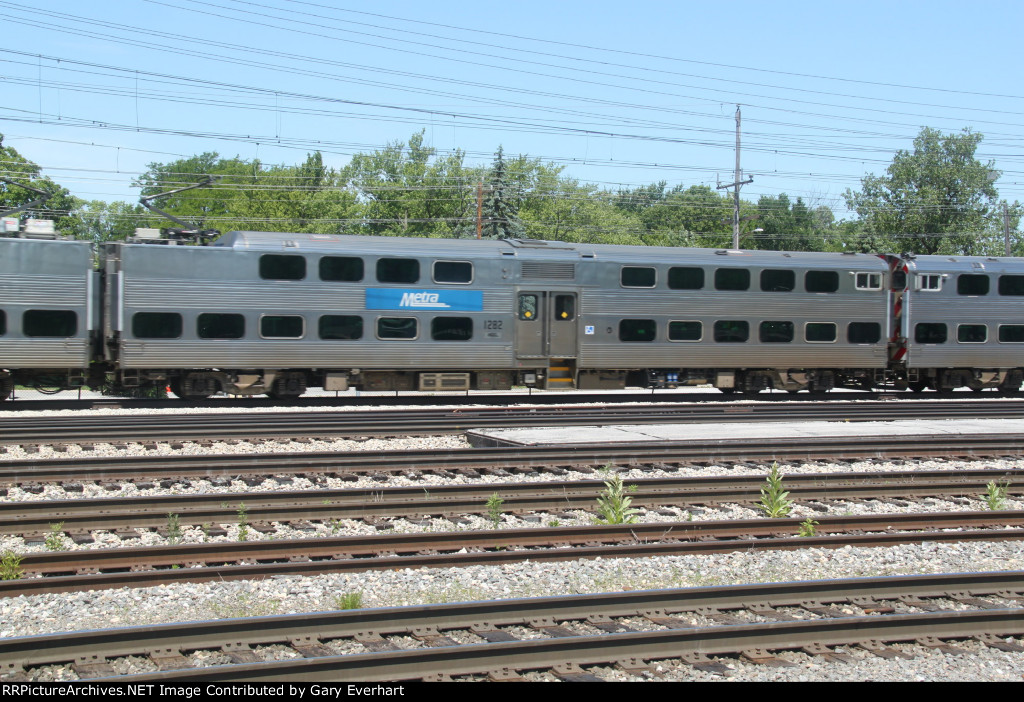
(736,187)
(1006,228)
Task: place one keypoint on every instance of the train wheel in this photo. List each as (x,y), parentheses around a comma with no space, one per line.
(179,391)
(917,385)
(727,391)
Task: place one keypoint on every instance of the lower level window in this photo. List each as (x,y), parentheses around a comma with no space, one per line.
(156,325)
(451,328)
(213,325)
(930,333)
(341,327)
(290,326)
(820,332)
(1011,333)
(397,328)
(972,333)
(776,332)
(864,332)
(56,323)
(637,329)
(685,331)
(3,322)
(731,331)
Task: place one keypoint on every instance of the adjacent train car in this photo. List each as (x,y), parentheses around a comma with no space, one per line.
(48,313)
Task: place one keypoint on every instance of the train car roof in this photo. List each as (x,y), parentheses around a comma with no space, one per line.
(352,244)
(967,264)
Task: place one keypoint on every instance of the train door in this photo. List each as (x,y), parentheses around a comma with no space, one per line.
(546,329)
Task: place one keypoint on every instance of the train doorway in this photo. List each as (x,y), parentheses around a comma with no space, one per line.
(546,330)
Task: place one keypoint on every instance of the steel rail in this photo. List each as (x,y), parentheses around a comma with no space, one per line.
(543,654)
(170,427)
(260,559)
(18,653)
(82,515)
(31,471)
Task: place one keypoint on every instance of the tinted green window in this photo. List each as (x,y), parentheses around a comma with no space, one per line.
(280,267)
(685,331)
(972,333)
(778,281)
(732,279)
(685,278)
(398,270)
(969,284)
(3,322)
(56,323)
(397,328)
(864,332)
(565,307)
(1011,285)
(451,328)
(821,281)
(453,272)
(637,329)
(820,332)
(156,325)
(1011,333)
(220,326)
(637,277)
(339,327)
(776,332)
(282,326)
(527,307)
(930,333)
(729,331)
(341,268)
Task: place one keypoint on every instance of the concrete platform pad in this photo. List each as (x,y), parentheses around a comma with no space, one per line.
(688,433)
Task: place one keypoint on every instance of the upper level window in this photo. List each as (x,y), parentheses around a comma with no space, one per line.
(680,278)
(1011,285)
(732,279)
(55,323)
(821,281)
(868,281)
(282,267)
(156,325)
(398,270)
(460,272)
(637,277)
(931,281)
(341,268)
(972,284)
(778,280)
(215,325)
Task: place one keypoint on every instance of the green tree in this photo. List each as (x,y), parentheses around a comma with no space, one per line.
(61,205)
(788,226)
(501,203)
(939,198)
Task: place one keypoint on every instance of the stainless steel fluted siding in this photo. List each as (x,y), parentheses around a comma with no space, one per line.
(947,307)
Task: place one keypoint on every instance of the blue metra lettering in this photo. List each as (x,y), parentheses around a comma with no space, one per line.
(449,300)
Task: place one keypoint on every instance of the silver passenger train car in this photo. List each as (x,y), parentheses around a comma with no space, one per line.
(269,313)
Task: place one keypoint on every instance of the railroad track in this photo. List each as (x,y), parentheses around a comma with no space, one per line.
(448,463)
(79,516)
(628,630)
(152,428)
(219,561)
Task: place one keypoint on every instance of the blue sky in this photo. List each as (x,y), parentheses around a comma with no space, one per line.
(620,94)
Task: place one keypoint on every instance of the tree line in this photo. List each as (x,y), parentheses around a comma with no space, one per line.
(934,198)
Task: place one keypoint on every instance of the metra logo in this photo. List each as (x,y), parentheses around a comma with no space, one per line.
(422,299)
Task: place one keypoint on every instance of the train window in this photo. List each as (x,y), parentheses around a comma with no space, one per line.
(528,307)
(397,328)
(821,281)
(970,284)
(1011,333)
(685,331)
(451,328)
(930,333)
(638,277)
(685,278)
(732,279)
(56,323)
(729,331)
(398,270)
(460,272)
(972,333)
(282,267)
(929,282)
(156,325)
(341,327)
(565,307)
(820,332)
(864,332)
(776,332)
(214,325)
(347,269)
(1011,285)
(778,281)
(282,326)
(868,281)
(3,322)
(637,329)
